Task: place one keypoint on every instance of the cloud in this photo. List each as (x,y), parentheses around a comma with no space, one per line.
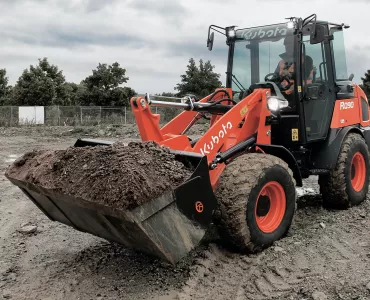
(96,5)
(164,8)
(55,37)
(171,11)
(87,6)
(153,40)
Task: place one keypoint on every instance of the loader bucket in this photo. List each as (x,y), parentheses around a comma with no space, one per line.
(167,227)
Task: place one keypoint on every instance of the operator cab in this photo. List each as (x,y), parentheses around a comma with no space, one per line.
(265,54)
(303,62)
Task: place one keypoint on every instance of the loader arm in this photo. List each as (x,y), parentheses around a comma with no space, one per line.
(241,121)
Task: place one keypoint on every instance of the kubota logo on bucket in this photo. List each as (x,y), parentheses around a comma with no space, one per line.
(215,139)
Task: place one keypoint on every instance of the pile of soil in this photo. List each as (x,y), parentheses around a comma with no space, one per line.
(118,176)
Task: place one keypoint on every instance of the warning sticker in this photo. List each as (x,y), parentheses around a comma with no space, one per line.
(294,134)
(243,111)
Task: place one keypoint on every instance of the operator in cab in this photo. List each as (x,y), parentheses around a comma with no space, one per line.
(286,68)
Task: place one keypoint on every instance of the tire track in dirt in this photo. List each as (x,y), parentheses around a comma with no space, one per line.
(325,251)
(58,262)
(64,264)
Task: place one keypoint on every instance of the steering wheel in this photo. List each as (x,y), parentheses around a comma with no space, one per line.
(278,79)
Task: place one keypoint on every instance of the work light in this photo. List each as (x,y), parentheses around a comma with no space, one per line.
(230,32)
(290,25)
(275,104)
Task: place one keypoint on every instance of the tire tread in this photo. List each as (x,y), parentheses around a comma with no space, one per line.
(333,186)
(237,181)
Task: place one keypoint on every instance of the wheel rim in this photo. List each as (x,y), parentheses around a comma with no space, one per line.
(358,171)
(270,207)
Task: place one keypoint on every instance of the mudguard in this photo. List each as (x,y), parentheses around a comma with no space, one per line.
(286,156)
(325,154)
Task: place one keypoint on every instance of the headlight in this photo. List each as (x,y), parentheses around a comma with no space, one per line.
(275,104)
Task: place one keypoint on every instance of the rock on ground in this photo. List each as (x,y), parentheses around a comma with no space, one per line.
(27,229)
(319,296)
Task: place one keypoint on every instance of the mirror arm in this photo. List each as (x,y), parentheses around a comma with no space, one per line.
(213,27)
(211,35)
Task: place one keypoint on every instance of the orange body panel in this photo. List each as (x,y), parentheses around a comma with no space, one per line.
(147,122)
(359,93)
(225,132)
(349,111)
(246,118)
(176,142)
(346,112)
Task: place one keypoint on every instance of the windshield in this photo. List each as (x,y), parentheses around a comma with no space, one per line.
(261,51)
(339,56)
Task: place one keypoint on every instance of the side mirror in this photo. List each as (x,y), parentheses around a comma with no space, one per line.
(351,77)
(210,40)
(318,34)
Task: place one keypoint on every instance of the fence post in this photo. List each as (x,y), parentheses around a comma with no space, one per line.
(81,115)
(11,115)
(125,115)
(100,115)
(58,116)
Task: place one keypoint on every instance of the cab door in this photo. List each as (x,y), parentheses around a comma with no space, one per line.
(318,85)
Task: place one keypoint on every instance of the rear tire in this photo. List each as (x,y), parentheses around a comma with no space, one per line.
(348,183)
(257,200)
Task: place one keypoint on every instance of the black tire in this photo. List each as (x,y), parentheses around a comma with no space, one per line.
(336,188)
(238,193)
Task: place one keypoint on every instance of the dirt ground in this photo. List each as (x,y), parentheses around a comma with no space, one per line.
(326,254)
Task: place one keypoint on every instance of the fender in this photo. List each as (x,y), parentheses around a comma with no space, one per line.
(366,134)
(325,156)
(286,156)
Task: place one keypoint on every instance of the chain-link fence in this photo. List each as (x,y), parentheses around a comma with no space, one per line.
(84,115)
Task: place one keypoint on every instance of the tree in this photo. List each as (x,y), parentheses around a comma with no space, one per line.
(200,81)
(43,84)
(167,94)
(5,89)
(124,95)
(75,92)
(103,87)
(366,83)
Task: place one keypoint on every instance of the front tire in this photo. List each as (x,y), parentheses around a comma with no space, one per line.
(257,199)
(348,183)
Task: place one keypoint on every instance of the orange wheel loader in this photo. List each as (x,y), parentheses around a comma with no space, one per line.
(289,110)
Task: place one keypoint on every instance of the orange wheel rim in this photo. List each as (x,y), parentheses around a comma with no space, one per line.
(358,171)
(270,207)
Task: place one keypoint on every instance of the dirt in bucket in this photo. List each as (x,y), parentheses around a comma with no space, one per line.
(119,176)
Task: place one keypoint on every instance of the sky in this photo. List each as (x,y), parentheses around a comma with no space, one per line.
(154,40)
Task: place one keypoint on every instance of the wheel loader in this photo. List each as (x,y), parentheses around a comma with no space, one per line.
(289,110)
